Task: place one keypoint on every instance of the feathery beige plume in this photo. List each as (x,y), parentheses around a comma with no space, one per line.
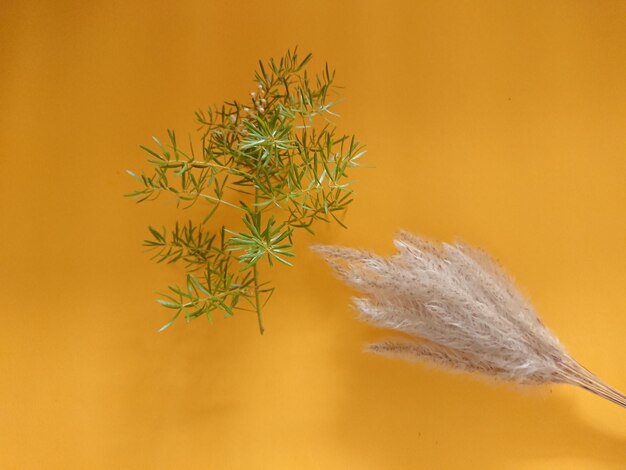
(463,310)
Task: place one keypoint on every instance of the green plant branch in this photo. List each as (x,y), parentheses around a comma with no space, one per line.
(281,155)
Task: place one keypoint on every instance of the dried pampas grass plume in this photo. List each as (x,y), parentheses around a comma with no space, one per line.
(462,309)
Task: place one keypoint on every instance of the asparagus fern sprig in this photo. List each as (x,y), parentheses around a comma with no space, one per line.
(276,159)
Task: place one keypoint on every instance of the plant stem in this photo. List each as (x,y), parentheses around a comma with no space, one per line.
(257,300)
(580,376)
(255,272)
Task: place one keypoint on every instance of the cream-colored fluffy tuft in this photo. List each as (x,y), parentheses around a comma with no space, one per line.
(463,310)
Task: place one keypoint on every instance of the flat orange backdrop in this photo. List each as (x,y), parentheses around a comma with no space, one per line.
(498,122)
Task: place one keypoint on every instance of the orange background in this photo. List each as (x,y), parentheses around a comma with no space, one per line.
(500,122)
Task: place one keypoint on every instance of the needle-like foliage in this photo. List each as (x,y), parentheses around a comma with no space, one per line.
(276,159)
